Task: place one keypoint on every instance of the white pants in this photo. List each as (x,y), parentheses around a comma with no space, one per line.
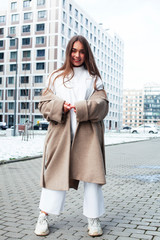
(52,201)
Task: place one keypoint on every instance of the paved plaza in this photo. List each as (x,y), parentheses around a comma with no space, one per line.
(132,198)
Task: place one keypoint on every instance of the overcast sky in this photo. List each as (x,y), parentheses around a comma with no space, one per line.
(138,24)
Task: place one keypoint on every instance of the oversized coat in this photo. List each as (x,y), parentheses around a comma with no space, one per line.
(66,162)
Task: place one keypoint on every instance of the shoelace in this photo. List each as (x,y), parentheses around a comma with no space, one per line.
(43,219)
(94,222)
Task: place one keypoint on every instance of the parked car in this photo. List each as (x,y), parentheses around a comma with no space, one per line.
(126,129)
(145,129)
(3,126)
(42,125)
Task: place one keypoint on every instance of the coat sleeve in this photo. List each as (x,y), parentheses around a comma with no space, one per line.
(94,109)
(51,107)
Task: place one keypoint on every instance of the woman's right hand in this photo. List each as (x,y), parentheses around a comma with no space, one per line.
(67,107)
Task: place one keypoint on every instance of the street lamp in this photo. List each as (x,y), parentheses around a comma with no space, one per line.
(15,92)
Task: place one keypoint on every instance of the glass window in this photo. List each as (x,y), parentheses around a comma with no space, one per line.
(1,31)
(26,3)
(2,19)
(28,16)
(26,54)
(12,67)
(42,14)
(10,80)
(13,55)
(10,93)
(86,21)
(37,92)
(40,2)
(1,55)
(1,43)
(11,105)
(13,5)
(24,92)
(1,105)
(26,66)
(0,80)
(38,79)
(76,13)
(40,27)
(69,32)
(12,42)
(24,105)
(39,40)
(26,28)
(12,30)
(40,66)
(15,17)
(41,53)
(64,16)
(25,79)
(25,41)
(36,105)
(70,21)
(70,7)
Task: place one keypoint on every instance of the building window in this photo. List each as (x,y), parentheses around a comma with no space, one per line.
(23,92)
(26,28)
(1,31)
(42,14)
(63,42)
(24,79)
(26,54)
(25,41)
(10,93)
(15,17)
(11,105)
(69,33)
(26,3)
(76,25)
(36,105)
(40,27)
(37,92)
(28,16)
(70,8)
(86,20)
(81,18)
(41,53)
(39,40)
(26,66)
(1,105)
(10,80)
(24,105)
(1,55)
(64,16)
(13,55)
(38,79)
(62,28)
(12,67)
(12,30)
(40,66)
(40,2)
(76,13)
(2,19)
(13,5)
(0,80)
(70,21)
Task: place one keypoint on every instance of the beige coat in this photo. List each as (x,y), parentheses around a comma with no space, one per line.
(65,163)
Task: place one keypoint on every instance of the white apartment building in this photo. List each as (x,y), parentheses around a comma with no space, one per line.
(42,29)
(133,107)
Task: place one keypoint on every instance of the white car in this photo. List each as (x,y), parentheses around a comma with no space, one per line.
(145,129)
(126,129)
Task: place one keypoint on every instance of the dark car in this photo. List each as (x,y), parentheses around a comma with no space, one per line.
(3,126)
(41,126)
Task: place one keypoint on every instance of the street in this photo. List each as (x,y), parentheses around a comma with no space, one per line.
(132,198)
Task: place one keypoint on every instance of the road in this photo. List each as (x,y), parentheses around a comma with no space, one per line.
(132,198)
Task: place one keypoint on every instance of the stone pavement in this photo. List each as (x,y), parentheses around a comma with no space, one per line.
(132,198)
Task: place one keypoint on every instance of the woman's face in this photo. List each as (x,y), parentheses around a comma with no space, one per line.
(77,54)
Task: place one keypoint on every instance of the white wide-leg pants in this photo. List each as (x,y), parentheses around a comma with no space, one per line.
(52,201)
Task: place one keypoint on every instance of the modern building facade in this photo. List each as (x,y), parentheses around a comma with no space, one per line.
(42,28)
(152,104)
(132,107)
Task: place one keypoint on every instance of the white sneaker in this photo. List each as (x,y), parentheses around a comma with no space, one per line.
(42,225)
(94,227)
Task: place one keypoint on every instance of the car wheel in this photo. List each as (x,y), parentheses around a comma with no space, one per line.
(151,132)
(134,131)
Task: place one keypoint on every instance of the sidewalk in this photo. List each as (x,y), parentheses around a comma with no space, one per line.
(12,148)
(132,198)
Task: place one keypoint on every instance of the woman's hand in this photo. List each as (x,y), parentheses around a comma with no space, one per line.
(67,107)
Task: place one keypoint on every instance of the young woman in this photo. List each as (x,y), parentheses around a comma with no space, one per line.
(75,104)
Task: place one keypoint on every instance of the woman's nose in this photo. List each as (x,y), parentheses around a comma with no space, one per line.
(77,54)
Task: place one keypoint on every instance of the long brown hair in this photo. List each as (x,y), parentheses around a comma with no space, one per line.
(67,67)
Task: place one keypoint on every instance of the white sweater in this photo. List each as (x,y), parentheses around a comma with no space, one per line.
(80,87)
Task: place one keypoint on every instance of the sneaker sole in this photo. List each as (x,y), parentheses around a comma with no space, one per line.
(42,234)
(95,234)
